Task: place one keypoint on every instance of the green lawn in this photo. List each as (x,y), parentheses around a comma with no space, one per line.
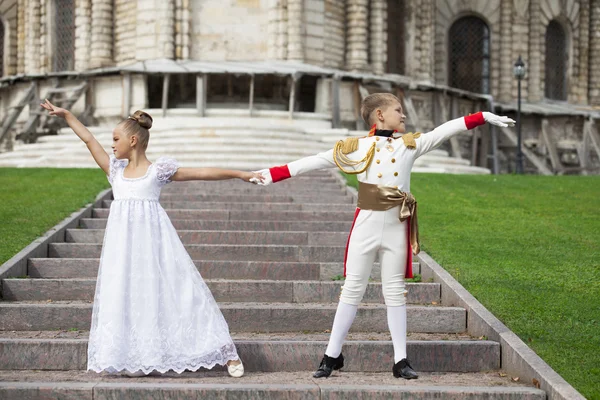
(34,200)
(528,248)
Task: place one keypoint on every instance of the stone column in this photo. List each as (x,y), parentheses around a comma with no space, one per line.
(357,28)
(282,32)
(83,34)
(102,51)
(125,31)
(273,29)
(182,29)
(425,21)
(506,56)
(535,47)
(378,36)
(166,26)
(32,38)
(335,33)
(295,45)
(594,55)
(584,41)
(21,21)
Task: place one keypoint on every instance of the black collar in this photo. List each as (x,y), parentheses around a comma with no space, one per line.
(384,132)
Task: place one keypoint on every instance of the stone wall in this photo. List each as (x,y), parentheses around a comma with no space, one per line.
(229,30)
(344,34)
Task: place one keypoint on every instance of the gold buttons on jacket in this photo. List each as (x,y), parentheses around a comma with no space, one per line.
(377,138)
(379,175)
(395,174)
(378,150)
(378,161)
(393,160)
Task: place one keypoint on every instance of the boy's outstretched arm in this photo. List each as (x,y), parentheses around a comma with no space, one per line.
(215,174)
(311,163)
(100,155)
(431,140)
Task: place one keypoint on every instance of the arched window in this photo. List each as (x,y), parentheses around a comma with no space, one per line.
(395,35)
(64,35)
(469,58)
(556,62)
(1,48)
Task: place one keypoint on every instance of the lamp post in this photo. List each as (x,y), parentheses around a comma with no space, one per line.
(519,71)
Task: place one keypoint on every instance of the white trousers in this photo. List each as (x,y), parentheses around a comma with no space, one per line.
(376,233)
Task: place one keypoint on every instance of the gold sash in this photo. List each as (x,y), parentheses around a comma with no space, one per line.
(383,198)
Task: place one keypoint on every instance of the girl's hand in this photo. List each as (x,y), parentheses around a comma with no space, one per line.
(54,111)
(252,177)
(266,177)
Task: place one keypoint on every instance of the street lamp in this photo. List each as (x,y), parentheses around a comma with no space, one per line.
(519,71)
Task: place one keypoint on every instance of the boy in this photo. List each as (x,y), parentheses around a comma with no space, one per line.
(385,221)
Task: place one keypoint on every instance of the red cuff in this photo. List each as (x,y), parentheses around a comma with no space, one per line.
(279,173)
(474,120)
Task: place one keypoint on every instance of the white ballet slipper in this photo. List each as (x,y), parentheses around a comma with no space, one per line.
(236,371)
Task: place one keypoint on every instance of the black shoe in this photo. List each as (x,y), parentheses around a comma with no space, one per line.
(328,364)
(402,369)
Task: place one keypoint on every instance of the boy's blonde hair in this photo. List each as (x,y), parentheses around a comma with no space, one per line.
(374,101)
(138,124)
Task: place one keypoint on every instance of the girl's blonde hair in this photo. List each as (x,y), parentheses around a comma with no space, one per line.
(374,101)
(138,124)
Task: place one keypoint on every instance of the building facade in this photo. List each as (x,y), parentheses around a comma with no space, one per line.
(429,49)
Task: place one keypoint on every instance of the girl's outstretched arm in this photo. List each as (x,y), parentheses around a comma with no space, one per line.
(215,174)
(98,152)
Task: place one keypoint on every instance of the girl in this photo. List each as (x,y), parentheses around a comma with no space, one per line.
(152,309)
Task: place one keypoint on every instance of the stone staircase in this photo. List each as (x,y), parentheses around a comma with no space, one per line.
(269,255)
(251,143)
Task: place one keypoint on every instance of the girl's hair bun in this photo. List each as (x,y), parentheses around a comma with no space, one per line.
(142,118)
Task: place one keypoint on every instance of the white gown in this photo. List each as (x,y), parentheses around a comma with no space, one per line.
(152,309)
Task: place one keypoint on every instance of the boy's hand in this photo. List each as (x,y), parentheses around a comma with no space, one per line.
(252,177)
(266,177)
(54,111)
(497,120)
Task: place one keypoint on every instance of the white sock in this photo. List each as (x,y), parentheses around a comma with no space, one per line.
(344,316)
(396,316)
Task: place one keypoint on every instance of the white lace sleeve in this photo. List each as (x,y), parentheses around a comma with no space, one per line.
(114,165)
(165,169)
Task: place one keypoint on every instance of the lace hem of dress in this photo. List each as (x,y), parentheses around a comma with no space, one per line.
(208,361)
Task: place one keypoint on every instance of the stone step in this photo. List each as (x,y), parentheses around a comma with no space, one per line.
(220,252)
(229,237)
(273,190)
(239,215)
(244,317)
(78,268)
(258,198)
(222,290)
(199,205)
(328,190)
(217,385)
(326,180)
(224,225)
(267,355)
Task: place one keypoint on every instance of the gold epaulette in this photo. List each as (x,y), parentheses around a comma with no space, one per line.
(409,139)
(347,146)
